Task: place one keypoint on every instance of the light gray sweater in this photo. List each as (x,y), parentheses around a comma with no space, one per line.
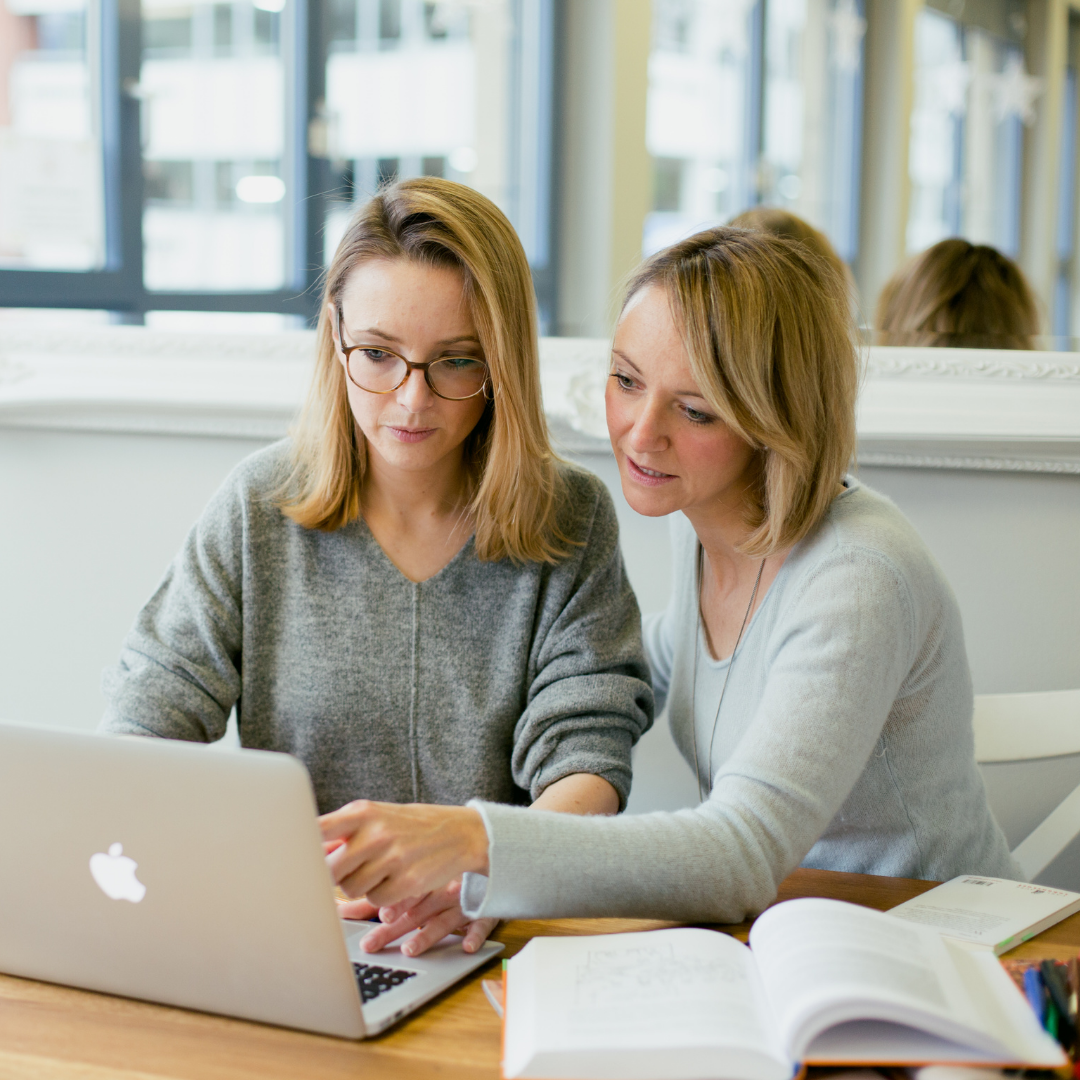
(488,680)
(844,743)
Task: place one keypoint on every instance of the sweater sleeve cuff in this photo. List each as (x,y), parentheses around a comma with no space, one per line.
(473,895)
(518,885)
(474,887)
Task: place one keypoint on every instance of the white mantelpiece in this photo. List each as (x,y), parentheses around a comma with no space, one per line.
(922,408)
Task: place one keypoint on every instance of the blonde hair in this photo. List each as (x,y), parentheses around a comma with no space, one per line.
(517,490)
(771,342)
(772,219)
(789,226)
(958,294)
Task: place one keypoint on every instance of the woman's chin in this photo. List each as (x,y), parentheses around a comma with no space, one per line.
(649,502)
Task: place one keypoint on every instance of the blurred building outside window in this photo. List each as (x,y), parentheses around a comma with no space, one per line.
(753,103)
(52,203)
(213,94)
(249,172)
(416,89)
(972,101)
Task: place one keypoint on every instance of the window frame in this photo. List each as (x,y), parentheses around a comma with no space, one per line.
(305,36)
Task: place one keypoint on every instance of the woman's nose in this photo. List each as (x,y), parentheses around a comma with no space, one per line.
(646,433)
(414,393)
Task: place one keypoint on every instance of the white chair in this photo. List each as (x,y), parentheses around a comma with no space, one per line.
(1028,746)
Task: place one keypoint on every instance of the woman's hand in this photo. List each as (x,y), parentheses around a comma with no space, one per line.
(436,915)
(393,853)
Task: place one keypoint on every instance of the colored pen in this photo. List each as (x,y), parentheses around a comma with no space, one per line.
(1036,994)
(1052,1019)
(1053,977)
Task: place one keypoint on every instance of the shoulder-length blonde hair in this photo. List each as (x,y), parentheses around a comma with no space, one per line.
(958,294)
(771,343)
(516,487)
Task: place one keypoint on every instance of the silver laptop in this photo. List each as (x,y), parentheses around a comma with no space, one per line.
(165,871)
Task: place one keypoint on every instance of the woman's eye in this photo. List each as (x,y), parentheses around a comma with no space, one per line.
(696,417)
(377,356)
(624,381)
(461,363)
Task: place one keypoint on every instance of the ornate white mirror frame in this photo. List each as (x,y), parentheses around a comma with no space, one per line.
(922,408)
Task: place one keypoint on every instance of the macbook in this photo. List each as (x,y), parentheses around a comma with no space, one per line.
(161,870)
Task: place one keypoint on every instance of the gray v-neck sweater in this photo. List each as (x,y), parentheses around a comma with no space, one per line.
(844,742)
(488,680)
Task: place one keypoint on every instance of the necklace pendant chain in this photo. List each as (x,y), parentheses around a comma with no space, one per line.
(702,793)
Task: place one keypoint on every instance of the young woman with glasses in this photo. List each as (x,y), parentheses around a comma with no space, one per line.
(812,656)
(412,594)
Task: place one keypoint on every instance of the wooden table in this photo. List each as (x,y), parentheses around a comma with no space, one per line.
(56,1033)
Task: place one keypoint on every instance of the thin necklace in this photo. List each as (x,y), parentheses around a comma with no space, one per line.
(727,675)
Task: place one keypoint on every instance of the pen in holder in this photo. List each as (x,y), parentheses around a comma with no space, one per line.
(1052,988)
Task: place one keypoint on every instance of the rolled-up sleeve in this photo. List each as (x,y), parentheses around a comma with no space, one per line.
(589,698)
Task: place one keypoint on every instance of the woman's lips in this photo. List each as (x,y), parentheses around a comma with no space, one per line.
(411,435)
(649,477)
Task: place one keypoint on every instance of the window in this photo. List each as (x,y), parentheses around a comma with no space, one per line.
(52,209)
(812,124)
(972,99)
(1062,317)
(700,118)
(751,103)
(213,151)
(401,99)
(212,87)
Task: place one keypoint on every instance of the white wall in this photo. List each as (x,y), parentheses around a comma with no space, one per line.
(1009,542)
(90,523)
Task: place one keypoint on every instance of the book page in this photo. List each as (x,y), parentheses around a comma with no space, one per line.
(824,962)
(621,1004)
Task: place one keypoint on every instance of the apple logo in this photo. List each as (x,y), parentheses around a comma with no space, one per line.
(115,875)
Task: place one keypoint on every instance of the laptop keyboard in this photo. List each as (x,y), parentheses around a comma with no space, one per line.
(374,980)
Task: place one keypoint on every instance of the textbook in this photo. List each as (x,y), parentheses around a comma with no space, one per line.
(994,912)
(823,983)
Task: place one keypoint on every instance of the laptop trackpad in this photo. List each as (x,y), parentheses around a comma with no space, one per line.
(437,955)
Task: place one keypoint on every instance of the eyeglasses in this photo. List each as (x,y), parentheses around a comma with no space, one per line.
(380,371)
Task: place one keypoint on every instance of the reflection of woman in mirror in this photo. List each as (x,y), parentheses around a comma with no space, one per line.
(958,295)
(811,657)
(412,594)
(772,219)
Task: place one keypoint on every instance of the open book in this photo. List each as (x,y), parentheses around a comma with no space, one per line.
(823,982)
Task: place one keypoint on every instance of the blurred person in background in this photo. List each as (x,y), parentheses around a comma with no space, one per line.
(958,295)
(788,226)
(772,219)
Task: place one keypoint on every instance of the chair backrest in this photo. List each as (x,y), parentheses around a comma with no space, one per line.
(1028,746)
(1022,727)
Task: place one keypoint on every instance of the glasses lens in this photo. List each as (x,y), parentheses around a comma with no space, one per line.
(459,377)
(376,370)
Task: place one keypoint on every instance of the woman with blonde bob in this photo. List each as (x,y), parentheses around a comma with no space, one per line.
(413,595)
(812,657)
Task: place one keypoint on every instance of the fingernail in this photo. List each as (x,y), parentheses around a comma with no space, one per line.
(409,949)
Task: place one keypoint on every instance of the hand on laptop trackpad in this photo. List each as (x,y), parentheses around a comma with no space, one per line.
(355,930)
